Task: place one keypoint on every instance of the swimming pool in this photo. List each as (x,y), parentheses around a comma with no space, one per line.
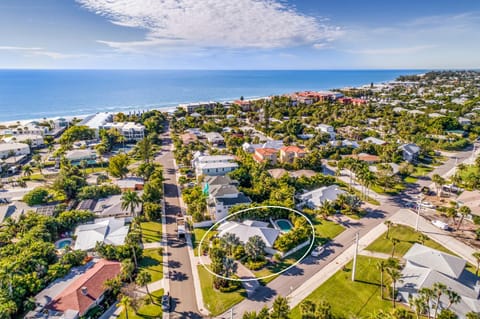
(283,224)
(62,243)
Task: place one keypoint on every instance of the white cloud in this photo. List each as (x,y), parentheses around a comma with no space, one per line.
(29,51)
(392,51)
(213,23)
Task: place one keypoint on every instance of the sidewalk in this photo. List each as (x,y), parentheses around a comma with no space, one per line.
(245,273)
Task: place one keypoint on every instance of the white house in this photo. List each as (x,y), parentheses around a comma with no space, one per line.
(77,156)
(410,152)
(214,164)
(426,266)
(374,140)
(221,197)
(249,228)
(97,121)
(130,130)
(35,141)
(109,231)
(15,149)
(215,138)
(315,198)
(328,129)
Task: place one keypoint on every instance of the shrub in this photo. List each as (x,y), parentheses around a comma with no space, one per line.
(476,220)
(97,192)
(36,196)
(256,265)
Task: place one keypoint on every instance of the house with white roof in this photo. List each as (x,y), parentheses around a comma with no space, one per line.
(97,121)
(426,266)
(214,138)
(212,165)
(130,130)
(315,198)
(410,152)
(112,206)
(77,156)
(328,129)
(249,228)
(111,231)
(13,149)
(34,140)
(222,195)
(374,140)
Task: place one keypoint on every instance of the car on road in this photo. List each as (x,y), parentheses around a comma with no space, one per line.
(317,251)
(166,302)
(440,224)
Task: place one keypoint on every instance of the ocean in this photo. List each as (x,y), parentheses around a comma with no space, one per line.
(35,94)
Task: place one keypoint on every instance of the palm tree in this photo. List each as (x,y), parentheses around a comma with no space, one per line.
(144,149)
(394,275)
(394,241)
(422,238)
(143,278)
(307,308)
(280,308)
(381,266)
(84,165)
(418,304)
(439,182)
(128,267)
(388,224)
(229,266)
(438,289)
(130,201)
(27,170)
(427,294)
(254,247)
(326,209)
(125,303)
(476,255)
(230,240)
(464,211)
(453,298)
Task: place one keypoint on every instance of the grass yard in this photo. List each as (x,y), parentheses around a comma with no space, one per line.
(407,237)
(147,311)
(390,191)
(152,262)
(410,180)
(326,230)
(352,299)
(151,232)
(197,236)
(422,170)
(215,301)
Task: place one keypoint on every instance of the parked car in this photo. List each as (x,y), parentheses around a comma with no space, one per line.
(317,251)
(427,205)
(440,224)
(166,302)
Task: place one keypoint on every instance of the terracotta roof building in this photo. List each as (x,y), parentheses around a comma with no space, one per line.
(265,155)
(289,153)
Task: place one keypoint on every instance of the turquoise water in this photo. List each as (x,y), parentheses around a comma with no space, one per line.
(64,243)
(32,94)
(284,225)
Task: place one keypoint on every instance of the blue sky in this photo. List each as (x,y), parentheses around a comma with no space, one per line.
(239,34)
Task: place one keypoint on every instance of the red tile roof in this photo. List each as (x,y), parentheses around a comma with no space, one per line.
(365,157)
(266,151)
(72,297)
(293,149)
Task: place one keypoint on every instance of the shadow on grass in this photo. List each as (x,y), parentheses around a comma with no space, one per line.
(148,262)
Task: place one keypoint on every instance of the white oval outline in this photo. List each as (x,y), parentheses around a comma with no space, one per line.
(264,277)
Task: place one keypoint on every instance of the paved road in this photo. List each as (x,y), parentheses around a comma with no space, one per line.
(182,289)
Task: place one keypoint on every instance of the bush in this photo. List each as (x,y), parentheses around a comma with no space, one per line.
(256,265)
(36,196)
(476,220)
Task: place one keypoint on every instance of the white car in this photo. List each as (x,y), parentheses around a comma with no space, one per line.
(317,251)
(427,205)
(440,224)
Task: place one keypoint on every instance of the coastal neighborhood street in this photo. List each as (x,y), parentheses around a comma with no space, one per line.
(182,290)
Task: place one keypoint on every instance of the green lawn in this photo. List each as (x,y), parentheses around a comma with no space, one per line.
(153,263)
(151,232)
(410,180)
(390,191)
(351,299)
(197,236)
(215,301)
(326,230)
(407,237)
(147,311)
(421,170)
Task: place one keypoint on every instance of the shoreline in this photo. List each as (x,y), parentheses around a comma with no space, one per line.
(163,108)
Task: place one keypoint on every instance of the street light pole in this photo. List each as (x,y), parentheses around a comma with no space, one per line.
(354,268)
(419,202)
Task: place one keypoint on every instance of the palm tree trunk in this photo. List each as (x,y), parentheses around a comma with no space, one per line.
(436,307)
(393,294)
(381,284)
(149,294)
(460,222)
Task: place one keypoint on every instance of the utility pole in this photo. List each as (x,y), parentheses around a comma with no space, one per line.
(354,268)
(419,202)
(231,313)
